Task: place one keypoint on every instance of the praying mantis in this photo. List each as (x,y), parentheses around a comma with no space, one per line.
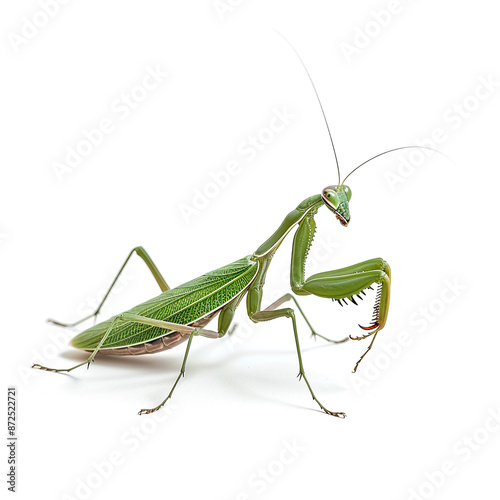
(181,313)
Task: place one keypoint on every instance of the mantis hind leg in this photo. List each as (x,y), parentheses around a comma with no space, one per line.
(181,374)
(134,318)
(152,267)
(89,359)
(225,318)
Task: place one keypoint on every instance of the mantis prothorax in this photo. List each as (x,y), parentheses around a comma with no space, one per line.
(181,313)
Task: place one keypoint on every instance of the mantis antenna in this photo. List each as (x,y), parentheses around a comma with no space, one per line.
(317,96)
(391,151)
(328,128)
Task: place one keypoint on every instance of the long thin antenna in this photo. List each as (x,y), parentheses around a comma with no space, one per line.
(391,151)
(317,96)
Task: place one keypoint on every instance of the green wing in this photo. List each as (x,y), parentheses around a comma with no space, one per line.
(184,305)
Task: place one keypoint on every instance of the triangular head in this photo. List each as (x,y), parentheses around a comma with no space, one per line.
(337,199)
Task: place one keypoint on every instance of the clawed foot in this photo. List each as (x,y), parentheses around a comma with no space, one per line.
(59,323)
(149,410)
(338,414)
(40,367)
(314,335)
(362,337)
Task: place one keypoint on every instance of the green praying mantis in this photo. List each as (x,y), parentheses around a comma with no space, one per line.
(180,314)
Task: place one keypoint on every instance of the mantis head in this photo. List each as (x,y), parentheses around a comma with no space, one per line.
(337,198)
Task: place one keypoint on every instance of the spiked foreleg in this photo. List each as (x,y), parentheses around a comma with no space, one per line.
(341,284)
(302,242)
(351,281)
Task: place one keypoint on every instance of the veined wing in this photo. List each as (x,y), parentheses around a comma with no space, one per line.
(184,305)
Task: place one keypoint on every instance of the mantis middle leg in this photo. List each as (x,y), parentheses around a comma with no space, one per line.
(314,333)
(254,300)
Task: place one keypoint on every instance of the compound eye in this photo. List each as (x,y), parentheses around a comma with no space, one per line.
(348,192)
(333,198)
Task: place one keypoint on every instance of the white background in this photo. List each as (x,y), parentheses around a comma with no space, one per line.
(427,394)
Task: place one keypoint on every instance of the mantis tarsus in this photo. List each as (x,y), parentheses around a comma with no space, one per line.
(179,314)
